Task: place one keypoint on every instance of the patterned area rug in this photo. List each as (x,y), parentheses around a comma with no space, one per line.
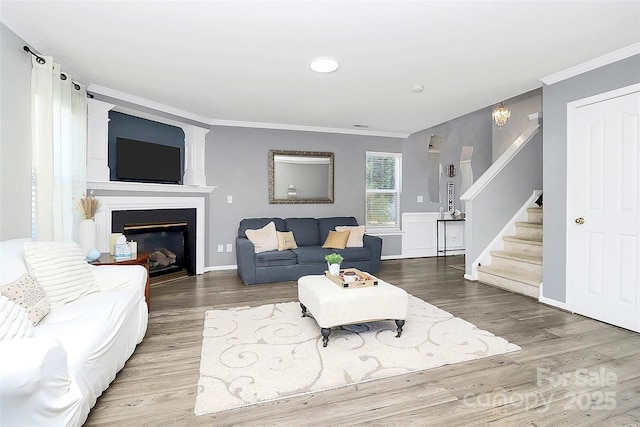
(252,355)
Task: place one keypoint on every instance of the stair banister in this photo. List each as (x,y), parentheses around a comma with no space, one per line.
(492,201)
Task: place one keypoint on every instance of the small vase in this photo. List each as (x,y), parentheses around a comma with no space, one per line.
(87,233)
(334,269)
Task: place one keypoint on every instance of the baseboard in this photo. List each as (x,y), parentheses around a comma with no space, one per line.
(384,257)
(221,267)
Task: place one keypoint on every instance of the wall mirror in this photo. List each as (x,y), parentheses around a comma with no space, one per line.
(435,167)
(300,177)
(465,168)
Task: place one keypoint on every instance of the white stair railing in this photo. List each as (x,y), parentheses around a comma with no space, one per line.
(495,198)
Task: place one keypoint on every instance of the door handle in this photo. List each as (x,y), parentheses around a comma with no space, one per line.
(580,220)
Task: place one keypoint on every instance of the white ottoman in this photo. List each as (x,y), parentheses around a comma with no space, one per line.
(331,305)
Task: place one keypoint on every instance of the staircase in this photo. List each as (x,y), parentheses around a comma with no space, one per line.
(518,268)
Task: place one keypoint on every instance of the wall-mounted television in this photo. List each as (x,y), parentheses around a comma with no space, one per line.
(147,162)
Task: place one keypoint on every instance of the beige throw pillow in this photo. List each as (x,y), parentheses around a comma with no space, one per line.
(336,240)
(355,236)
(28,294)
(61,269)
(286,240)
(264,239)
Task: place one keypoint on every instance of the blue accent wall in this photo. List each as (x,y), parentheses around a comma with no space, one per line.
(125,126)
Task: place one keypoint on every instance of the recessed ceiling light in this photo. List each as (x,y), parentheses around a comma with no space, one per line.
(324,65)
(417,89)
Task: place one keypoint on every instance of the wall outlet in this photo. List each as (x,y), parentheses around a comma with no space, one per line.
(220,248)
(420,199)
(229,199)
(229,247)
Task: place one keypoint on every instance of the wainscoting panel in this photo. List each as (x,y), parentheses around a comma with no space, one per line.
(419,235)
(419,238)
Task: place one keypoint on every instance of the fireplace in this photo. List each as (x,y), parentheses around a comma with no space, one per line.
(167,234)
(168,244)
(114,205)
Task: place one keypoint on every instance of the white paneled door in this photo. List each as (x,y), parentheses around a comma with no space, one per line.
(603,207)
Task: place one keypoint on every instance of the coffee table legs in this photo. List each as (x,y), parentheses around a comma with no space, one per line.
(399,324)
(327,331)
(325,335)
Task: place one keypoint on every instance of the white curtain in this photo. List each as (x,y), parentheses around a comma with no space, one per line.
(59,140)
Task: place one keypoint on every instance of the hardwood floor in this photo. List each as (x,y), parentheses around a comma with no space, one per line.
(589,371)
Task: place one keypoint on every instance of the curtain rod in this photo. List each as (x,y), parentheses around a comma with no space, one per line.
(39,59)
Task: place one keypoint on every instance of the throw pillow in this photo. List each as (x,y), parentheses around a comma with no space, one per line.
(28,294)
(264,239)
(61,269)
(286,240)
(14,322)
(355,236)
(336,240)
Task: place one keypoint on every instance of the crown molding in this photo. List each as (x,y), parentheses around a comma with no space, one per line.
(601,61)
(303,128)
(143,102)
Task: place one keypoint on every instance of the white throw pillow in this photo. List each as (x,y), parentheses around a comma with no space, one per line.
(356,233)
(14,322)
(264,239)
(61,269)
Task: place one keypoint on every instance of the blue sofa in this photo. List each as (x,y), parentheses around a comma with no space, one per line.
(308,258)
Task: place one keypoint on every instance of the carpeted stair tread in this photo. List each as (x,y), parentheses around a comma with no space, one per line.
(510,274)
(528,240)
(529,224)
(518,257)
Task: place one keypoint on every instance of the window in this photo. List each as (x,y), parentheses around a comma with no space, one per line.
(384,172)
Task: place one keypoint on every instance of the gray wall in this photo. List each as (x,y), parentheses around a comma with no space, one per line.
(555,98)
(521,106)
(15,137)
(237,163)
(473,129)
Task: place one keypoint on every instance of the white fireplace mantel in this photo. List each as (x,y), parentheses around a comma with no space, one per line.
(109,204)
(148,187)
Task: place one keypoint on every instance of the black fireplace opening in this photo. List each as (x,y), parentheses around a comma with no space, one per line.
(165,242)
(169,236)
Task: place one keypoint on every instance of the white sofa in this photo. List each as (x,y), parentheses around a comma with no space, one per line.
(55,377)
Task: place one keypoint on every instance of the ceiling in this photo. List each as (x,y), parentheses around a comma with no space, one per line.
(247,62)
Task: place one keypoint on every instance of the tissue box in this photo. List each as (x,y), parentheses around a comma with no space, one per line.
(121,252)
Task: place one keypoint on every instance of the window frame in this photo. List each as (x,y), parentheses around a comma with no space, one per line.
(397,191)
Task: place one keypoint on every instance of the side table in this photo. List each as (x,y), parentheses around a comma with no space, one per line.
(142,258)
(444,226)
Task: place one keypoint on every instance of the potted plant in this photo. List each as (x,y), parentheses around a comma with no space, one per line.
(334,260)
